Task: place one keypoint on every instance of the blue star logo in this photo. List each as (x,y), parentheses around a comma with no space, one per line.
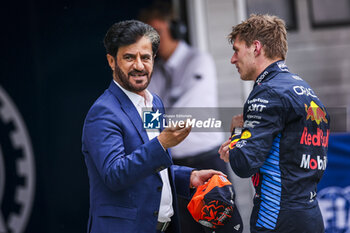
(151,119)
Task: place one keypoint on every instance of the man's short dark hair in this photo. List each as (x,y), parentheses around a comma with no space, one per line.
(128,32)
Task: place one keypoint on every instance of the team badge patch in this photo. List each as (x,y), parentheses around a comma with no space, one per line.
(246,134)
(236,139)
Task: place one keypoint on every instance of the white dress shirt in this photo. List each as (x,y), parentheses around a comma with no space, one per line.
(166,210)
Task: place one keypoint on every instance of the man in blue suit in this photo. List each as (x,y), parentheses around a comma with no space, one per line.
(133,182)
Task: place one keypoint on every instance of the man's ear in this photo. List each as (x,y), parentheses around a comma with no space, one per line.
(111,61)
(257,47)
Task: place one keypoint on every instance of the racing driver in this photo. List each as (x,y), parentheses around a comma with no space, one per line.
(284,140)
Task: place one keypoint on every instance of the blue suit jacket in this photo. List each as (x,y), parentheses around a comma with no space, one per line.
(123,167)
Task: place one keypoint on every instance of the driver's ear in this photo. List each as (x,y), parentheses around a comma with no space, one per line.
(257,47)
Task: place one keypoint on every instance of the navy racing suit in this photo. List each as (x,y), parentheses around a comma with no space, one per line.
(283,145)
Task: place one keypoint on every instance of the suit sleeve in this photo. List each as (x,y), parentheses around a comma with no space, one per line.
(263,121)
(182,176)
(104,142)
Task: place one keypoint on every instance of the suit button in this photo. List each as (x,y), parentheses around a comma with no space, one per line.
(155,213)
(159,189)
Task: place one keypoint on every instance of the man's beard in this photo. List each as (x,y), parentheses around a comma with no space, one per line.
(124,79)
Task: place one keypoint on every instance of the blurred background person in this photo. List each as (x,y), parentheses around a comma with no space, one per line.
(185,78)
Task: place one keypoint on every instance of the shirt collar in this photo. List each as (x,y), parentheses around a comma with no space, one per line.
(278,66)
(136,99)
(177,55)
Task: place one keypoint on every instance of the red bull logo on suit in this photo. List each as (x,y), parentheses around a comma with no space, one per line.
(315,113)
(318,139)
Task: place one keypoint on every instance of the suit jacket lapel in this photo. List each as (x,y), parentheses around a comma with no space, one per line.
(157,105)
(130,110)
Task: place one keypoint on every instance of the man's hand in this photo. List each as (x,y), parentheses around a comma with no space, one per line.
(200,177)
(172,136)
(236,122)
(224,151)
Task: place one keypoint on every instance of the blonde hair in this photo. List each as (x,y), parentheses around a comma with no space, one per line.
(269,30)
